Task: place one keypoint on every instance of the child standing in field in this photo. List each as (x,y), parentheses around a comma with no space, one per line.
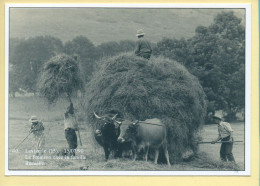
(37,129)
(70,127)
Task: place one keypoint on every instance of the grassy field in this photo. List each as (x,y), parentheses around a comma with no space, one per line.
(91,154)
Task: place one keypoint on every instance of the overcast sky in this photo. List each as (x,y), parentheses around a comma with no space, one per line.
(110,24)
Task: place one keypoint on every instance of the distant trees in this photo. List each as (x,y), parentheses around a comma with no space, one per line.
(216,55)
(126,45)
(173,49)
(27,58)
(108,49)
(13,76)
(113,48)
(89,54)
(86,52)
(13,81)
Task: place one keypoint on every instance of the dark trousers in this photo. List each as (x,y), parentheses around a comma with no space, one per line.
(71,138)
(226,150)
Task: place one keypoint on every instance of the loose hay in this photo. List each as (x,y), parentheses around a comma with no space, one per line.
(60,77)
(139,89)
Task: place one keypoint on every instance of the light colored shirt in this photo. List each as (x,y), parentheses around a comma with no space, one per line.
(224,129)
(70,122)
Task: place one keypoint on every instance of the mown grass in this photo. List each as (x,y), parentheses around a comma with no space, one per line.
(203,160)
(20,109)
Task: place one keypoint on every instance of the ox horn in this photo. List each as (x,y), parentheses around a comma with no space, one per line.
(114,117)
(119,122)
(134,123)
(98,117)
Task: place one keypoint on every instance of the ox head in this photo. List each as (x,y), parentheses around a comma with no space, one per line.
(108,124)
(127,131)
(106,120)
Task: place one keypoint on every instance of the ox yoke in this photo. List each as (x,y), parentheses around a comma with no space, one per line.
(153,121)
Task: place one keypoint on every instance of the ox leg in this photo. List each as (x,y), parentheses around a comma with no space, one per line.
(156,156)
(146,151)
(166,155)
(134,150)
(107,152)
(119,151)
(134,156)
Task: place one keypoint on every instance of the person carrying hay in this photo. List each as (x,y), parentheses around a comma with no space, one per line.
(70,127)
(225,134)
(143,47)
(37,129)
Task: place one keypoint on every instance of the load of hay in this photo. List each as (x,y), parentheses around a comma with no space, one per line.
(139,89)
(60,77)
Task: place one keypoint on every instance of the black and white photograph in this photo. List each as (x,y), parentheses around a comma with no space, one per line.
(127,90)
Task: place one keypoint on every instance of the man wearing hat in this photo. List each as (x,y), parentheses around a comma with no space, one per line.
(143,47)
(37,129)
(70,127)
(225,134)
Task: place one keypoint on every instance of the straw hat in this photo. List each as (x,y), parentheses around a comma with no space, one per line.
(216,116)
(33,119)
(140,32)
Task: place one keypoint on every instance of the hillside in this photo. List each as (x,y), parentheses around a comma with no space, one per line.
(109,24)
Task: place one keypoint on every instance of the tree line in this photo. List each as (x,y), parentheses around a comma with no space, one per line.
(215,55)
(27,57)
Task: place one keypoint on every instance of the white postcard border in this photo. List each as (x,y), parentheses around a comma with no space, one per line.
(246,172)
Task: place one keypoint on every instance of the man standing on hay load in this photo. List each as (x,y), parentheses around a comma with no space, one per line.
(37,129)
(70,127)
(225,134)
(143,47)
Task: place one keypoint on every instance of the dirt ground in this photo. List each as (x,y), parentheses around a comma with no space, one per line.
(91,154)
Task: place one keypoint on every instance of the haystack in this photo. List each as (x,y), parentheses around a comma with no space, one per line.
(60,77)
(139,89)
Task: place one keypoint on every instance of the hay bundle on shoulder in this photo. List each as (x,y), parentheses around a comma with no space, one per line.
(139,89)
(60,78)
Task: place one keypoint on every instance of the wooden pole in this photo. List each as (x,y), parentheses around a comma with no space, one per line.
(79,138)
(23,140)
(203,142)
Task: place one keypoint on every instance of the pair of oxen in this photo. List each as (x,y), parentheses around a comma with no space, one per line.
(117,136)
